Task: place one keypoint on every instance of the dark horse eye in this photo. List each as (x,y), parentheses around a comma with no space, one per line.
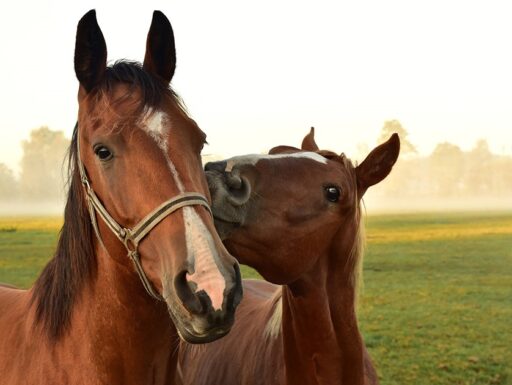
(103,153)
(332,193)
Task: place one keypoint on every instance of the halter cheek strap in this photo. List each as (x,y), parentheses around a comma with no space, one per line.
(132,237)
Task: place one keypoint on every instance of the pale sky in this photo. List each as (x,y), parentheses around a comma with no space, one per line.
(258,74)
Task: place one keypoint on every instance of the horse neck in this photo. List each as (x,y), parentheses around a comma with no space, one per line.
(122,320)
(322,343)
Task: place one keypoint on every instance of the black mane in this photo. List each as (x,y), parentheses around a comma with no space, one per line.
(73,263)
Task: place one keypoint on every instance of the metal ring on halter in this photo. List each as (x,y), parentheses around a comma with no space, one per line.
(127,240)
(141,229)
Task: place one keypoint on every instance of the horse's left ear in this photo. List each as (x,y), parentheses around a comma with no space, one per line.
(308,143)
(90,51)
(378,164)
(160,58)
(283,150)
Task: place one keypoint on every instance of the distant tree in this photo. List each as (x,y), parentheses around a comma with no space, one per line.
(41,165)
(8,183)
(392,126)
(504,169)
(479,169)
(501,176)
(446,165)
(481,150)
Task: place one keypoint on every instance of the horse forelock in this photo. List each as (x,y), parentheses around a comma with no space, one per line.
(126,83)
(74,264)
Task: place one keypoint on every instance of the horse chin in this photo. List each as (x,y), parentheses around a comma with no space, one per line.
(193,338)
(190,331)
(225,228)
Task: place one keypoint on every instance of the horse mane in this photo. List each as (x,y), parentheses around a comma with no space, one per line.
(74,263)
(356,255)
(274,324)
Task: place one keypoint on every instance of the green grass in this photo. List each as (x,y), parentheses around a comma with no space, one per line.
(437,300)
(26,244)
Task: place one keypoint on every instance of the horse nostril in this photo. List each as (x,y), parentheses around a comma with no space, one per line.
(185,293)
(234,181)
(216,166)
(239,189)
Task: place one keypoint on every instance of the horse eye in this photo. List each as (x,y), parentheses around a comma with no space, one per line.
(332,193)
(103,153)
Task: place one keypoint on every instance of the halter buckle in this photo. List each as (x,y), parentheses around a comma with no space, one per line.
(127,239)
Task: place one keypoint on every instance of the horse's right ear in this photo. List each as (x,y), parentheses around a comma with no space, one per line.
(308,143)
(378,164)
(90,51)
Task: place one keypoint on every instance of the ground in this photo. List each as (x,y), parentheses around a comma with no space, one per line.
(436,306)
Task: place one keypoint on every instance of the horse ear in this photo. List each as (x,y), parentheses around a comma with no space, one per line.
(160,58)
(308,143)
(378,164)
(90,51)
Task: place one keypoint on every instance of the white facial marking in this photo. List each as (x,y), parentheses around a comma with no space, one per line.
(255,158)
(202,254)
(154,124)
(201,250)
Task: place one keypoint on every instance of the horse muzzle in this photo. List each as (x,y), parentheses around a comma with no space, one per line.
(231,195)
(193,312)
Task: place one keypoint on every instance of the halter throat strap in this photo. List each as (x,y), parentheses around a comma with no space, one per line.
(132,237)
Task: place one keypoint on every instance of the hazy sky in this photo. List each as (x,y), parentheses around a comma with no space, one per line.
(260,73)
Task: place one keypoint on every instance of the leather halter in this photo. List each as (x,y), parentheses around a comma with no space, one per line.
(132,237)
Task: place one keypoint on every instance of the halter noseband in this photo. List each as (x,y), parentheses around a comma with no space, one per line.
(132,237)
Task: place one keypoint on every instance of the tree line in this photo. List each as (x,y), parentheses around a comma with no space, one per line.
(448,172)
(42,171)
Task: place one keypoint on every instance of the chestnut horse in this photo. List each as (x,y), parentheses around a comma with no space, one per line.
(295,217)
(137,189)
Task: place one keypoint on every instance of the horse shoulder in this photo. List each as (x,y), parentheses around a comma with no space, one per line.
(14,355)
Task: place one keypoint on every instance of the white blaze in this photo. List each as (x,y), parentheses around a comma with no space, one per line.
(201,250)
(203,255)
(255,158)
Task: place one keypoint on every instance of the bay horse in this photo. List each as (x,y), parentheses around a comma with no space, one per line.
(295,217)
(138,261)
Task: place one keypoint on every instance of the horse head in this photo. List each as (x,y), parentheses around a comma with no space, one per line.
(139,154)
(278,212)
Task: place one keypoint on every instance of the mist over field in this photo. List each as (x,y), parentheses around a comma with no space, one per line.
(448,179)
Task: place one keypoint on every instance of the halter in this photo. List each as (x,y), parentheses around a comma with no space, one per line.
(132,237)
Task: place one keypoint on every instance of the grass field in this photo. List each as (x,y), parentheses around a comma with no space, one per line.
(437,300)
